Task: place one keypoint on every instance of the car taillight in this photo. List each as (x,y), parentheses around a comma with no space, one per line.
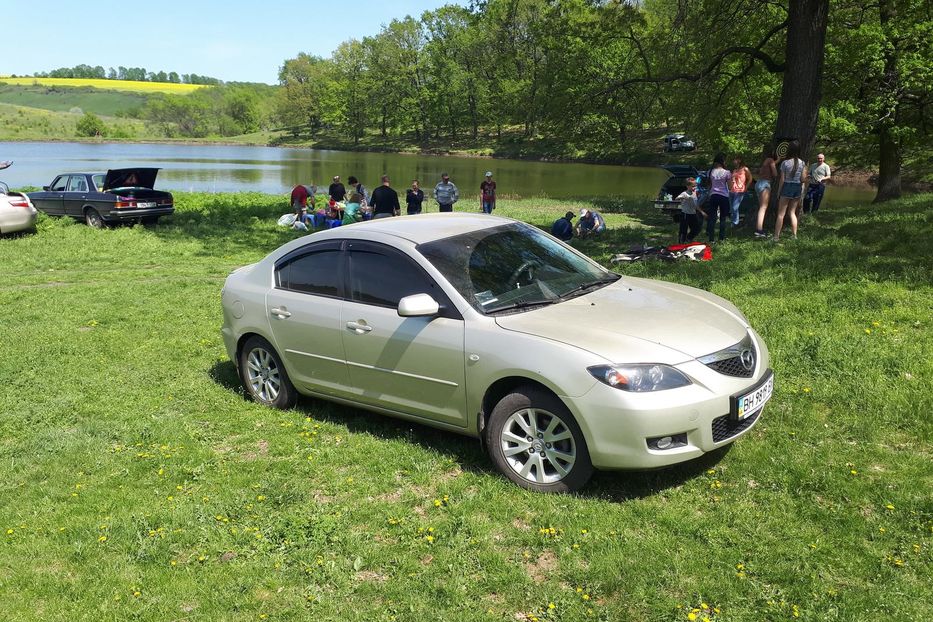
(125,202)
(19,203)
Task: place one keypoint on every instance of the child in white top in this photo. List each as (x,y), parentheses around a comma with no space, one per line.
(689,221)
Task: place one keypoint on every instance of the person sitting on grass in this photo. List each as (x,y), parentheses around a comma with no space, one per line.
(590,222)
(353,210)
(562,229)
(689,221)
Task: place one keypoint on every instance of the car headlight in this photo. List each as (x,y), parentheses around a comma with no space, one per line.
(639,378)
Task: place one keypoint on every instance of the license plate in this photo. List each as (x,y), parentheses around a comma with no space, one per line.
(747,404)
(147,204)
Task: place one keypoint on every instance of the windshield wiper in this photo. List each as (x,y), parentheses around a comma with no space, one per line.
(588,285)
(522,305)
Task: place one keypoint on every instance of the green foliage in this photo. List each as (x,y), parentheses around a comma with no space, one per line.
(90,125)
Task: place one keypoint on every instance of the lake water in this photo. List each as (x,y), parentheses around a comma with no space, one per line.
(222,168)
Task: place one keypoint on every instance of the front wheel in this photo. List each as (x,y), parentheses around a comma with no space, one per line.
(263,375)
(534,441)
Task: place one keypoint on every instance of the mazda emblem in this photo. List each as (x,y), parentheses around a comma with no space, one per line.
(748,359)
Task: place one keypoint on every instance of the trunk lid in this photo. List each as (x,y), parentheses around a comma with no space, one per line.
(130,178)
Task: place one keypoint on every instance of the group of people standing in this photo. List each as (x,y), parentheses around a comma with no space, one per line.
(728,187)
(348,205)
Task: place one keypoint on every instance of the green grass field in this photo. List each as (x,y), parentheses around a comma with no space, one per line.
(100,102)
(27,123)
(139,484)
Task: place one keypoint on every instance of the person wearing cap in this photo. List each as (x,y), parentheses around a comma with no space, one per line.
(337,190)
(562,229)
(819,175)
(446,193)
(487,194)
(590,222)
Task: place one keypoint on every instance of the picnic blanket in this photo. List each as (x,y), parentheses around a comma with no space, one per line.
(695,251)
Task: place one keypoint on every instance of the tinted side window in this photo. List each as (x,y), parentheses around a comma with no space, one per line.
(385,278)
(315,273)
(59,183)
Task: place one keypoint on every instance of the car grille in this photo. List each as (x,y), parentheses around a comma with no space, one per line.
(729,360)
(732,367)
(725,427)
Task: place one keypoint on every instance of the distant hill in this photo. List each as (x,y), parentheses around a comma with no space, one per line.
(132,86)
(59,99)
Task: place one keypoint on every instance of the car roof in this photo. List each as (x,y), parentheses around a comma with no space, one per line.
(418,228)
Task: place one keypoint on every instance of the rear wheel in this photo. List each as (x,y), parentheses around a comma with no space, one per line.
(263,375)
(534,441)
(93,218)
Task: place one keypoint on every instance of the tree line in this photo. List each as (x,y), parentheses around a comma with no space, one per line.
(126,73)
(850,78)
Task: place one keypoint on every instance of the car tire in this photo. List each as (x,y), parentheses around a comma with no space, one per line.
(556,458)
(263,375)
(93,218)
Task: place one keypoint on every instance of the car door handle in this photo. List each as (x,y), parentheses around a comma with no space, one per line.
(280,313)
(359,328)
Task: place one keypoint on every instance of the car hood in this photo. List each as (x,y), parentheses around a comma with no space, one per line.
(638,319)
(118,178)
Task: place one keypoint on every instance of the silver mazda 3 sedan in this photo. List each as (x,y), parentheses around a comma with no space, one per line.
(489,327)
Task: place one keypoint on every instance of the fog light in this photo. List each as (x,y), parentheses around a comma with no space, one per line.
(672,441)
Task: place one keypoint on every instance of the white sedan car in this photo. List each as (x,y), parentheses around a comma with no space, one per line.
(489,327)
(16,211)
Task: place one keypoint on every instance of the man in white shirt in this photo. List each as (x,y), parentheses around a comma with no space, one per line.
(819,174)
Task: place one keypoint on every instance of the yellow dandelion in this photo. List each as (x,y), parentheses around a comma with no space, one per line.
(691,616)
(551,606)
(867,331)
(10,532)
(102,539)
(889,507)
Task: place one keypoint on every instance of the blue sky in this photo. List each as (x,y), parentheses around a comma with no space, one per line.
(233,40)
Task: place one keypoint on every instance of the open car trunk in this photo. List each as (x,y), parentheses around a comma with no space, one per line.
(130,178)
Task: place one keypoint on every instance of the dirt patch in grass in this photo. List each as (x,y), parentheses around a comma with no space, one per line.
(542,567)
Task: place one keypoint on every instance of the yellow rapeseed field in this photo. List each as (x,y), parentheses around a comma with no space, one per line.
(112,85)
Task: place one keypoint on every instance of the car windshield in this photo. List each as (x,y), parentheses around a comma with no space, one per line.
(513,267)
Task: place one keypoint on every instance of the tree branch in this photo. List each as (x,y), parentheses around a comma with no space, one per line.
(754,53)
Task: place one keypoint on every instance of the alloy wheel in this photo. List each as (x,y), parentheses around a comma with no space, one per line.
(538,446)
(262,375)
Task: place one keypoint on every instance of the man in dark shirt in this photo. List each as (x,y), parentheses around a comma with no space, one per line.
(414,198)
(562,229)
(336,190)
(384,200)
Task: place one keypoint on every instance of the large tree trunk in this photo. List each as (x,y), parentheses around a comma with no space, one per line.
(799,109)
(889,160)
(889,170)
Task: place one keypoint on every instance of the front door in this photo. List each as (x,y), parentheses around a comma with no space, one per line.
(413,365)
(50,201)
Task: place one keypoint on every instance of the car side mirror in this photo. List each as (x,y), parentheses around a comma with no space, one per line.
(418,305)
(46,188)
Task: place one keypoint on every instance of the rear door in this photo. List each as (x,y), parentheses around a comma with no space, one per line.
(413,365)
(304,313)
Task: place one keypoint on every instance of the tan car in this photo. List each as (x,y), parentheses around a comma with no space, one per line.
(16,211)
(489,327)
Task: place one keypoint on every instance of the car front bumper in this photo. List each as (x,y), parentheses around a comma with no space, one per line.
(618,425)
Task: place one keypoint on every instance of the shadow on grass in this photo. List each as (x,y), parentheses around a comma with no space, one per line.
(466,451)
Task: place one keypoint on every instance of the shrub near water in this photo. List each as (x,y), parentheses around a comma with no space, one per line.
(139,484)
